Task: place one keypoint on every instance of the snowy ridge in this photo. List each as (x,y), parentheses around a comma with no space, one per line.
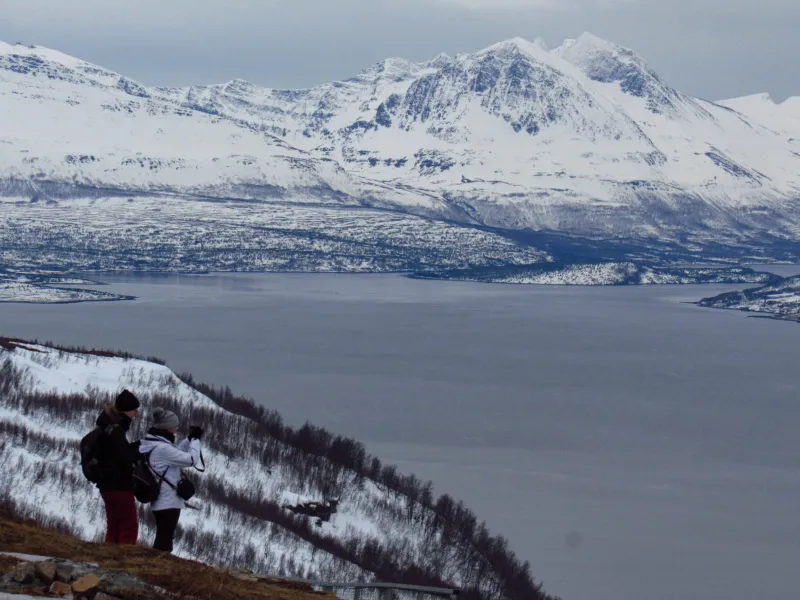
(584,139)
(12,291)
(49,289)
(49,399)
(607,273)
(782,117)
(49,371)
(781,299)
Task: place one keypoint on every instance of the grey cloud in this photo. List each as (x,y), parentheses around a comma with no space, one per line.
(710,48)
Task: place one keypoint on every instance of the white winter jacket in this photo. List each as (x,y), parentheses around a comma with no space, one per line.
(166,460)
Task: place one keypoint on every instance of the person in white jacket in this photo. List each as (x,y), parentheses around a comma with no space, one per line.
(166,462)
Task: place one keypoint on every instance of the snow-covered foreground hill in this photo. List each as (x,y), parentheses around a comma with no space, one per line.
(584,139)
(387,526)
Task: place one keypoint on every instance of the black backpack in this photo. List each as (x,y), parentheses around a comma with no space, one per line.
(91,464)
(146,484)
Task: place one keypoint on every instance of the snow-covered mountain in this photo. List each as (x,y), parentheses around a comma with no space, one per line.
(782,117)
(585,139)
(386,526)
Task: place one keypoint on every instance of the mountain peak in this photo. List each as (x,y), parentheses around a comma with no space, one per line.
(587,45)
(393,69)
(587,38)
(586,41)
(440,61)
(541,44)
(40,52)
(518,46)
(607,62)
(763,97)
(517,43)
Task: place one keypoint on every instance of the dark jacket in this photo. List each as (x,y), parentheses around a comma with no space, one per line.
(117,455)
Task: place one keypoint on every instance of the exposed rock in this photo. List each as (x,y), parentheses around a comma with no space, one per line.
(89,580)
(85,584)
(45,571)
(59,588)
(243,575)
(24,573)
(117,584)
(65,572)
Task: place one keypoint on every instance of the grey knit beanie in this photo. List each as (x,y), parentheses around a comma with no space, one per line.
(164,419)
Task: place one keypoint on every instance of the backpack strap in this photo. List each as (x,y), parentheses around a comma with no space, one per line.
(203,462)
(163,477)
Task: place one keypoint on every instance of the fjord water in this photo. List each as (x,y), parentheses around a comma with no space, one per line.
(630,445)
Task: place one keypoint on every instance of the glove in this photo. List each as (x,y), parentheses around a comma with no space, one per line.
(195,432)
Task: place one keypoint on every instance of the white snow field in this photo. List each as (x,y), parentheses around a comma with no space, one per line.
(585,139)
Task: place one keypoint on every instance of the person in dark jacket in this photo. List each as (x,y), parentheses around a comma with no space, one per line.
(117,460)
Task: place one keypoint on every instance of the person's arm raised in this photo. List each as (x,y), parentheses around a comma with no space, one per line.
(187,454)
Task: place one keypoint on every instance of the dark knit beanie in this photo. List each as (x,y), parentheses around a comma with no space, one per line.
(126,401)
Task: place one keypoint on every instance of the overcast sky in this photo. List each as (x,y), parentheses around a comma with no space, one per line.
(709,48)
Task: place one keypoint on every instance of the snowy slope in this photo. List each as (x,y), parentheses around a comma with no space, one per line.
(50,370)
(584,139)
(65,121)
(49,399)
(782,117)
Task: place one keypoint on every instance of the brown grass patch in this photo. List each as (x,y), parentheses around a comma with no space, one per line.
(180,578)
(7,563)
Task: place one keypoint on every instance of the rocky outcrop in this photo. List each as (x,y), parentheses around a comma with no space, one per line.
(66,579)
(34,564)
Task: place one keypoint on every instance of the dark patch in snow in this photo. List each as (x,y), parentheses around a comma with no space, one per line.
(431,161)
(132,88)
(729,166)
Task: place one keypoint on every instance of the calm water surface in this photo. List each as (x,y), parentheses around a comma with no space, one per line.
(630,445)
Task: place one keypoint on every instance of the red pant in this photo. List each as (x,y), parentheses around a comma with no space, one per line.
(122,522)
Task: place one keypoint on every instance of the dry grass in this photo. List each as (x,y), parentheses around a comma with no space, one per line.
(7,563)
(178,577)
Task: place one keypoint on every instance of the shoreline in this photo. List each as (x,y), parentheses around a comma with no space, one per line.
(91,278)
